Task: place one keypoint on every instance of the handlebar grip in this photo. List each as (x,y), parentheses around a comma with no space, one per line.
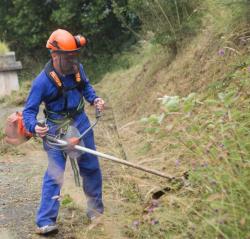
(41,123)
(97,113)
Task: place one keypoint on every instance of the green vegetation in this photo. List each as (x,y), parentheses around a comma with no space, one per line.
(3,48)
(212,131)
(200,126)
(67,200)
(111,26)
(26,26)
(169,21)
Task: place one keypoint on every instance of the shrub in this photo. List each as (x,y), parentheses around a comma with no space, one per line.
(169,21)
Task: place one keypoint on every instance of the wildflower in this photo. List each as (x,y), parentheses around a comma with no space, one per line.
(204,165)
(150,209)
(135,224)
(177,163)
(154,222)
(243,41)
(155,203)
(221,52)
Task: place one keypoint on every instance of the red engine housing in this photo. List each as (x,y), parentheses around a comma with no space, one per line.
(15,131)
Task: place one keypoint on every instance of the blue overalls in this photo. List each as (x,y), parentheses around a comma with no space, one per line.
(42,89)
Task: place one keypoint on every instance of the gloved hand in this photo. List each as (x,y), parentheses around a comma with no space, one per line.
(99,103)
(41,131)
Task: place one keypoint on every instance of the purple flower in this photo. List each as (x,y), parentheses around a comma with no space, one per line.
(177,163)
(150,209)
(213,182)
(222,145)
(204,165)
(155,203)
(136,223)
(243,40)
(248,68)
(221,52)
(154,222)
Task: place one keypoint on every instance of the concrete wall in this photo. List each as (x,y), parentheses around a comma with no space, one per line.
(8,73)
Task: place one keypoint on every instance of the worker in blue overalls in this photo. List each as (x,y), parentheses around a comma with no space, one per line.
(61,86)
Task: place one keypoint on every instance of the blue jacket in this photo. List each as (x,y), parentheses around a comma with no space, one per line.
(43,89)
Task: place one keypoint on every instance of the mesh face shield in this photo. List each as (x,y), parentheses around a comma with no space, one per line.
(68,62)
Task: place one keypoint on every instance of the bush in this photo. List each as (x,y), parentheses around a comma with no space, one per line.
(169,21)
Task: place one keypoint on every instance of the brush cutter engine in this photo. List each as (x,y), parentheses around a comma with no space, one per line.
(15,132)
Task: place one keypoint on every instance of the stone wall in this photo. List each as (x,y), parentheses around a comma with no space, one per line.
(8,73)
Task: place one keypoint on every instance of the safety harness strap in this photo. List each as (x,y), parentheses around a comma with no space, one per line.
(61,92)
(61,89)
(65,115)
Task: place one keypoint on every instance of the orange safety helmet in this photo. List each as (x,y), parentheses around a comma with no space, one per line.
(63,41)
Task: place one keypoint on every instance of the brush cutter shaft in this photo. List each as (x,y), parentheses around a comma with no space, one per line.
(112,158)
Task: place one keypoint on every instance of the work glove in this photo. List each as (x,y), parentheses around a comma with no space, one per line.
(99,104)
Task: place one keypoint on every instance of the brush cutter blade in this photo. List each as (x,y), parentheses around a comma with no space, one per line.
(71,137)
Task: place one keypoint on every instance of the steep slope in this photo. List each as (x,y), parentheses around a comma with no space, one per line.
(206,133)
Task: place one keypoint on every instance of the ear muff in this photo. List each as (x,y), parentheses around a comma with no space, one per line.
(80,41)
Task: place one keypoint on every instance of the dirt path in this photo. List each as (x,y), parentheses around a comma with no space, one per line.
(21,172)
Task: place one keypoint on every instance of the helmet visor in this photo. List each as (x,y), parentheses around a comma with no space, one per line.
(69,62)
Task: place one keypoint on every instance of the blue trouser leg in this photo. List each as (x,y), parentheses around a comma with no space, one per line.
(52,182)
(92,178)
(53,178)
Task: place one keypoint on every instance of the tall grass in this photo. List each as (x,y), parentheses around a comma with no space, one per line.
(211,133)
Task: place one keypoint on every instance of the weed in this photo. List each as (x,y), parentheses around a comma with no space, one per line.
(67,200)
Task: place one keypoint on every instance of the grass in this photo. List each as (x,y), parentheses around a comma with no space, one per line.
(206,133)
(213,138)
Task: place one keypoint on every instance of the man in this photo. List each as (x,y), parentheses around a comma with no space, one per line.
(61,86)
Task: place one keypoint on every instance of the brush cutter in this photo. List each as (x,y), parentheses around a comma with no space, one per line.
(72,142)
